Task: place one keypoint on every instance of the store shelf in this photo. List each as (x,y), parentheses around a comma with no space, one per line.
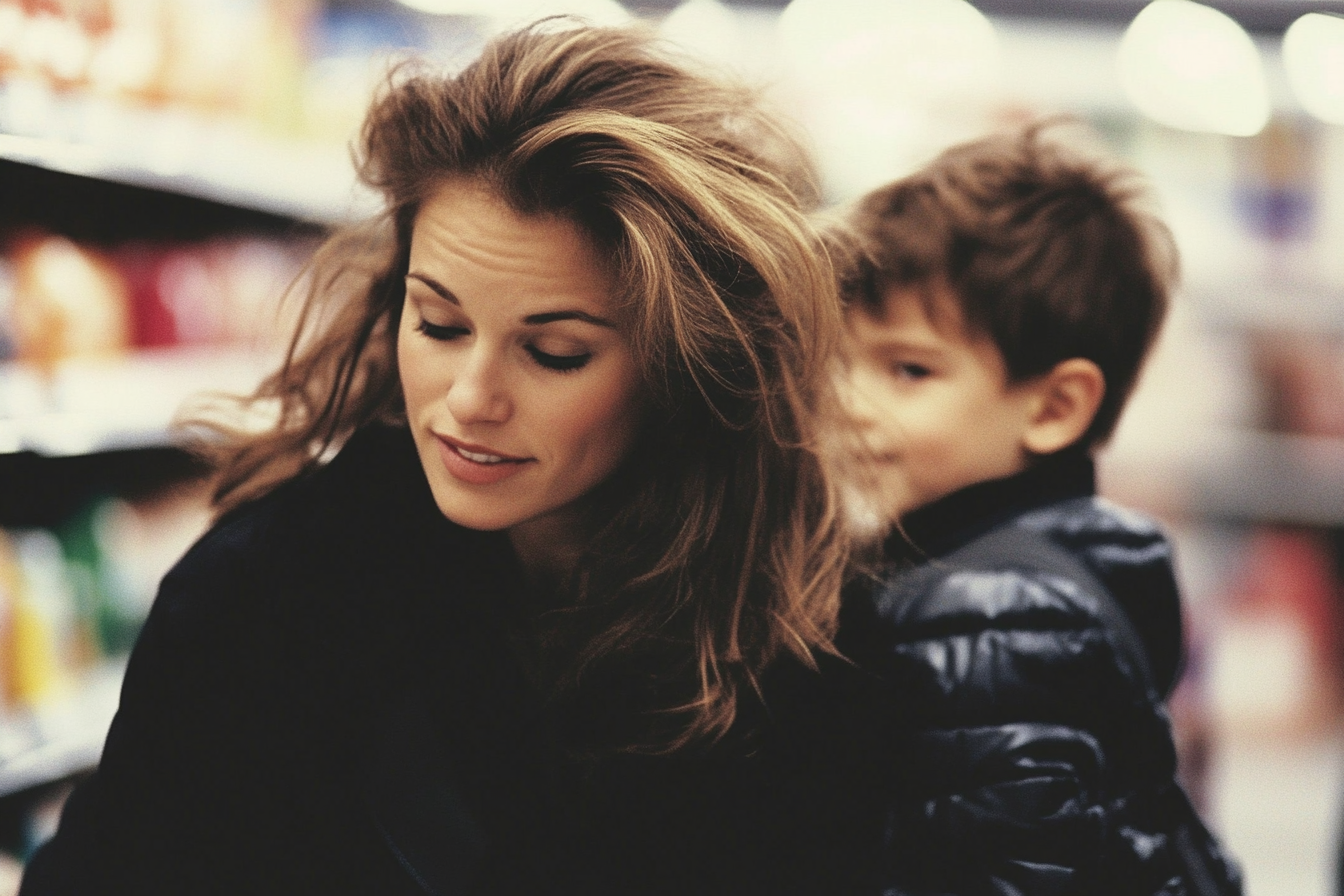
(1274,478)
(1240,475)
(92,405)
(62,737)
(180,152)
(1279,304)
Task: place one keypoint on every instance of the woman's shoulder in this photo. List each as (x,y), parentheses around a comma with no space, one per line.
(326,538)
(269,526)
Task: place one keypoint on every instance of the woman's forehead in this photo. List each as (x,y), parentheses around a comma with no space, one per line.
(467,238)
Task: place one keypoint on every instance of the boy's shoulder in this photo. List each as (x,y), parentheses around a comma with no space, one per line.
(1060,569)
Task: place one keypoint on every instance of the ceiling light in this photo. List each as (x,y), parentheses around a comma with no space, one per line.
(1191,67)
(512,13)
(705,27)
(453,7)
(1313,55)
(922,49)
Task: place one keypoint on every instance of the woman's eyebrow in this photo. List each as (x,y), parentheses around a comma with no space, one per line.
(551,316)
(444,292)
(544,317)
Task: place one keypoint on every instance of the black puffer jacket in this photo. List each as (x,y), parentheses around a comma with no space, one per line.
(1041,757)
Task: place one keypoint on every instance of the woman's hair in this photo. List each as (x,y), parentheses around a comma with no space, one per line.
(717,546)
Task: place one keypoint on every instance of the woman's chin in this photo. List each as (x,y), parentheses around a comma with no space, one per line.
(470,515)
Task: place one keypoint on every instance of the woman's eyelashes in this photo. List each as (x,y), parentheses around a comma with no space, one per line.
(562,362)
(440,332)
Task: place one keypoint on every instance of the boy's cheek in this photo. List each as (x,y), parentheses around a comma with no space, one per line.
(891,492)
(863,390)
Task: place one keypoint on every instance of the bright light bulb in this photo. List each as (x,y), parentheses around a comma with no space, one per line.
(454,7)
(1192,67)
(922,49)
(512,13)
(516,13)
(706,27)
(1313,55)
(874,75)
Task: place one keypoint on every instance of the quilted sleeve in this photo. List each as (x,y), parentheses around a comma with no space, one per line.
(1037,761)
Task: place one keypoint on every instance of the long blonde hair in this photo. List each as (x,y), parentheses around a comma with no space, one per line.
(718,545)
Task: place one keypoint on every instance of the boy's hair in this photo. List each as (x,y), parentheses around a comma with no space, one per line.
(1048,250)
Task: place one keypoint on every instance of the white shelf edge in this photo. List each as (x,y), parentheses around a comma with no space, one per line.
(1271,304)
(64,736)
(97,405)
(1242,475)
(176,151)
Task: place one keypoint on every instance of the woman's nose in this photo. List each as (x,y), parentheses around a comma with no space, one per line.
(478,393)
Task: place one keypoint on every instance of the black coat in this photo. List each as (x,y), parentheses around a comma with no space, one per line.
(326,699)
(1037,752)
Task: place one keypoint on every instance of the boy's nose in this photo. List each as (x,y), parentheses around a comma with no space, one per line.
(857,398)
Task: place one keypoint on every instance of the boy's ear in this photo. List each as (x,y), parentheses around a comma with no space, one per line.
(1065,402)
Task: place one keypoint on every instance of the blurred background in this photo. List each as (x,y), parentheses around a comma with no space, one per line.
(166,165)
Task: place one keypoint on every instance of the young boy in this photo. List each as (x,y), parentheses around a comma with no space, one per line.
(1000,303)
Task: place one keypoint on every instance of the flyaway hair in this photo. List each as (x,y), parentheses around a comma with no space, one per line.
(717,546)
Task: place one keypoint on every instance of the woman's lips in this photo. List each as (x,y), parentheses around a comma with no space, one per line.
(475,464)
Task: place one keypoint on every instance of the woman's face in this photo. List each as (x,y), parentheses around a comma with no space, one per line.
(521,388)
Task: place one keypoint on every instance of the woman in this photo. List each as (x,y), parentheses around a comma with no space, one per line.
(552,619)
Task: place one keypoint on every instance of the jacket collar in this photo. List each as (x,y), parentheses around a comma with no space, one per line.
(944,525)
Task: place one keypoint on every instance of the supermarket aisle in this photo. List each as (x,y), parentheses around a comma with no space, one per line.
(1278,807)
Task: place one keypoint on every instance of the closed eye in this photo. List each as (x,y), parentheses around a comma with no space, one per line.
(562,363)
(440,332)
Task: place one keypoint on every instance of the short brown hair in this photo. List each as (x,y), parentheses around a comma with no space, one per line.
(718,546)
(1048,250)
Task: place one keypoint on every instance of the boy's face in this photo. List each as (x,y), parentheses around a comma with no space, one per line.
(932,403)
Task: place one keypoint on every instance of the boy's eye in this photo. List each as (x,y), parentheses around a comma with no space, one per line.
(440,332)
(563,363)
(912,371)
